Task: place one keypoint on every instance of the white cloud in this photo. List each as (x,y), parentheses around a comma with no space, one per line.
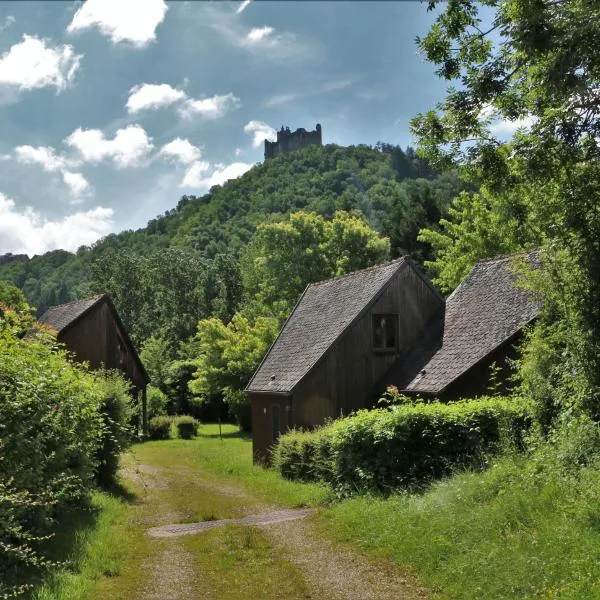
(503,127)
(31,64)
(26,231)
(132,21)
(210,108)
(46,157)
(8,21)
(126,149)
(508,127)
(325,88)
(42,155)
(262,131)
(221,173)
(181,150)
(78,185)
(259,34)
(193,177)
(243,6)
(284,46)
(239,152)
(152,96)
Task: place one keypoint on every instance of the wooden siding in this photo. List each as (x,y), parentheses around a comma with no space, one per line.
(348,377)
(262,422)
(94,338)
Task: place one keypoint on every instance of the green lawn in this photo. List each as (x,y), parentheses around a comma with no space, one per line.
(522,529)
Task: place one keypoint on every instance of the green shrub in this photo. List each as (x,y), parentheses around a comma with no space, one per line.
(159,428)
(51,428)
(156,401)
(389,448)
(117,409)
(186,427)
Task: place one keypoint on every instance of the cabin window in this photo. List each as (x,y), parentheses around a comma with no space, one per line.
(385,332)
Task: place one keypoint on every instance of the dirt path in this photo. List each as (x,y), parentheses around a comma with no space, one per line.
(204,539)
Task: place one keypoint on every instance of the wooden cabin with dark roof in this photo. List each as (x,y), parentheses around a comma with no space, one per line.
(93,332)
(351,337)
(333,352)
(483,324)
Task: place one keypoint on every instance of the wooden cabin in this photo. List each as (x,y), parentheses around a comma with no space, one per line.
(483,324)
(93,332)
(331,356)
(351,337)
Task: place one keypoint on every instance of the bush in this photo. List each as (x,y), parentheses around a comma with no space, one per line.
(51,428)
(389,448)
(156,401)
(117,410)
(159,428)
(187,427)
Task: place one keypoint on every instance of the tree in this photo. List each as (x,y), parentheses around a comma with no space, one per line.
(535,67)
(228,356)
(284,256)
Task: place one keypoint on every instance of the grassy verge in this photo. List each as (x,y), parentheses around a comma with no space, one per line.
(519,530)
(92,544)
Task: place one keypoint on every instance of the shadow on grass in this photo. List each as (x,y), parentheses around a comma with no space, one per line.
(228,435)
(118,490)
(69,538)
(64,547)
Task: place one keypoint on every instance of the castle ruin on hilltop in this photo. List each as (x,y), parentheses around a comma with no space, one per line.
(288,141)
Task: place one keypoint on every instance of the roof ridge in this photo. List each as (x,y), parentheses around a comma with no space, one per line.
(507,256)
(386,263)
(94,297)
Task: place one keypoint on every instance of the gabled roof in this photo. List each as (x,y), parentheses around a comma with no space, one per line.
(486,310)
(323,313)
(62,316)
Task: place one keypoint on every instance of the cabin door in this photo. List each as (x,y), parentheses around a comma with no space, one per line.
(275,422)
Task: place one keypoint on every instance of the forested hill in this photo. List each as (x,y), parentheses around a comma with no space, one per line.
(395,190)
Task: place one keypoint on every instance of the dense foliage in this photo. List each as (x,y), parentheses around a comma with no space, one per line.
(208,284)
(396,191)
(383,449)
(534,67)
(55,440)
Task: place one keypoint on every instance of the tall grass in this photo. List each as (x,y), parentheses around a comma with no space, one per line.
(92,547)
(523,529)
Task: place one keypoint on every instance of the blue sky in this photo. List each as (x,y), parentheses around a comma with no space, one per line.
(113,109)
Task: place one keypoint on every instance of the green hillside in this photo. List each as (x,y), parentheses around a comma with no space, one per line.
(396,191)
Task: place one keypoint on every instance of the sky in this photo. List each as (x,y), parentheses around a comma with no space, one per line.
(111,110)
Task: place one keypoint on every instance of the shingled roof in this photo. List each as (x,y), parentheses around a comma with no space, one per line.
(486,310)
(325,310)
(60,317)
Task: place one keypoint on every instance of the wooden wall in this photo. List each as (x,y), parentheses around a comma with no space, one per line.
(95,338)
(346,378)
(262,422)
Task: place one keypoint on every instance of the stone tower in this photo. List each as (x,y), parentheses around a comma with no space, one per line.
(288,141)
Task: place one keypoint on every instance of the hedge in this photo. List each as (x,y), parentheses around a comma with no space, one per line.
(383,449)
(56,441)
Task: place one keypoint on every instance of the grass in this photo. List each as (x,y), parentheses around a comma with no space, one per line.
(518,530)
(526,528)
(92,546)
(231,459)
(248,562)
(189,480)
